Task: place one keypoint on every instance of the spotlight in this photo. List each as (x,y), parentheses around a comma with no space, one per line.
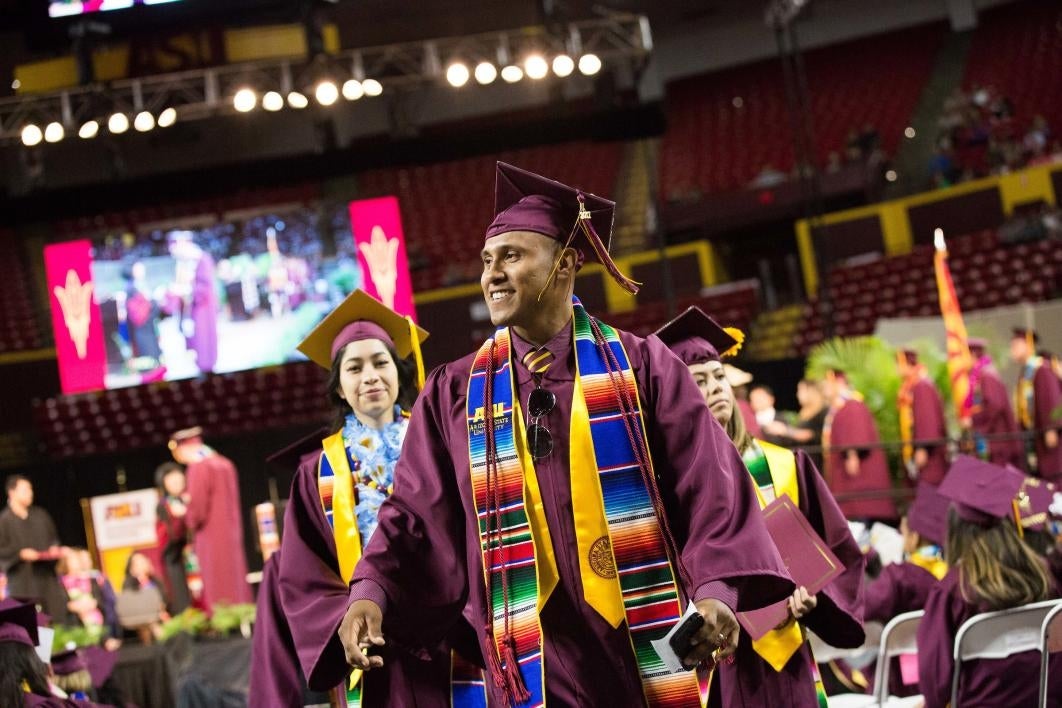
(297,100)
(118,123)
(31,135)
(326,92)
(589,64)
(457,74)
(486,72)
(738,102)
(272,101)
(90,128)
(54,132)
(909,132)
(536,67)
(891,175)
(372,87)
(144,121)
(167,118)
(352,90)
(563,65)
(512,73)
(245,100)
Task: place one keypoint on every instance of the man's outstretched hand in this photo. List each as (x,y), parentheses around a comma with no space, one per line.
(720,631)
(359,631)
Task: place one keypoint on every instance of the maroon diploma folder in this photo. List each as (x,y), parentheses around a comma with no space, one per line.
(809,560)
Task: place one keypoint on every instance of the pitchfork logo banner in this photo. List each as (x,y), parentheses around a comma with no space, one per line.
(79,346)
(377,227)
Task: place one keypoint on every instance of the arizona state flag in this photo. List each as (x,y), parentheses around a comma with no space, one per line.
(959,359)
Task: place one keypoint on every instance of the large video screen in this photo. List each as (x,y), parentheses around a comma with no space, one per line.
(70,8)
(178,302)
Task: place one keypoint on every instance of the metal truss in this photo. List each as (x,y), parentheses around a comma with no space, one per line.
(203,93)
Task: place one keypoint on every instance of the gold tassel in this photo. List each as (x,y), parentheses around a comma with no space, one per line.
(738,336)
(417,358)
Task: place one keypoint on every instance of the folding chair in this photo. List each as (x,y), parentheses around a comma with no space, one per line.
(898,637)
(997,635)
(1050,643)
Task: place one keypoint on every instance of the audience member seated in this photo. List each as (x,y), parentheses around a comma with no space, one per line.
(91,597)
(141,605)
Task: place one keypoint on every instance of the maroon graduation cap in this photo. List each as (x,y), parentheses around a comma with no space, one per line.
(982,493)
(696,338)
(928,514)
(525,201)
(18,622)
(1034,502)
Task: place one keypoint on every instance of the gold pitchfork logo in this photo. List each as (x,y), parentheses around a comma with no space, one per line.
(381,253)
(75,301)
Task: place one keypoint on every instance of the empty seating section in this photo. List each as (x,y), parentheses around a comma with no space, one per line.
(447,206)
(730,306)
(19,328)
(724,127)
(1014,50)
(144,416)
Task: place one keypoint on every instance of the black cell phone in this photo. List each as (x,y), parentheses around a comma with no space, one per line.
(680,640)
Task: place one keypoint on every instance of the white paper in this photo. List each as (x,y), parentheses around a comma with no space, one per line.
(45,635)
(672,661)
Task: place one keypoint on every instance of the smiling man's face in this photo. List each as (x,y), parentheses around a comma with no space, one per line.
(515,268)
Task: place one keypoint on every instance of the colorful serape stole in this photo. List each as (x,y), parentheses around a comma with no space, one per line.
(623,554)
(775,467)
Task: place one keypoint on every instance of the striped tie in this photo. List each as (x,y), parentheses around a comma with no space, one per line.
(538,360)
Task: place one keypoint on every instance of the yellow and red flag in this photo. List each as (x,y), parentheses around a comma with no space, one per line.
(959,359)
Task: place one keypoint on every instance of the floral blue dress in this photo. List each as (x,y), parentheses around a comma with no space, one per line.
(373,454)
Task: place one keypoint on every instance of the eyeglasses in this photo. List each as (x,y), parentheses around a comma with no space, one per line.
(540,403)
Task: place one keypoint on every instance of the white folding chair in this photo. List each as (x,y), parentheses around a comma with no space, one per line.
(1050,643)
(900,636)
(997,635)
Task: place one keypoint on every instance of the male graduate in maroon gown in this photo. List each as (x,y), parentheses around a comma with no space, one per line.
(856,465)
(1036,399)
(996,432)
(922,425)
(779,669)
(215,517)
(485,494)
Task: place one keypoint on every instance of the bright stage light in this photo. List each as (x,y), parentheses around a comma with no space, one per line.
(909,132)
(118,123)
(512,73)
(891,176)
(167,118)
(486,72)
(54,132)
(457,74)
(536,67)
(352,90)
(563,65)
(272,101)
(32,135)
(89,129)
(144,121)
(589,64)
(245,100)
(372,87)
(326,92)
(297,100)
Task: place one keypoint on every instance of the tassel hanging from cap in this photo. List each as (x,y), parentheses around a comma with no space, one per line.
(587,226)
(417,358)
(739,339)
(1017,517)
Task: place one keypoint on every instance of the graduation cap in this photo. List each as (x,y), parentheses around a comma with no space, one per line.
(291,454)
(361,316)
(525,201)
(1025,333)
(697,338)
(18,622)
(978,346)
(928,514)
(68,662)
(1035,501)
(185,435)
(982,493)
(907,356)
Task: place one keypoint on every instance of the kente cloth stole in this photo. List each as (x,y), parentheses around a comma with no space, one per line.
(624,564)
(335,484)
(774,465)
(1025,393)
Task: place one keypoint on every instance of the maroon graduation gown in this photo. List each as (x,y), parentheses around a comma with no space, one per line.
(424,563)
(853,428)
(1013,681)
(315,599)
(275,677)
(929,424)
(1047,396)
(838,618)
(215,517)
(996,417)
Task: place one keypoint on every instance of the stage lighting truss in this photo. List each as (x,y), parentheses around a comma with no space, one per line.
(355,74)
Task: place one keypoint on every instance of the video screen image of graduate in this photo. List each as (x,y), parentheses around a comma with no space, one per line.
(69,8)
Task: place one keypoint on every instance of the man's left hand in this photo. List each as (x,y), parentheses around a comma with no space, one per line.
(801,602)
(921,457)
(720,631)
(1051,439)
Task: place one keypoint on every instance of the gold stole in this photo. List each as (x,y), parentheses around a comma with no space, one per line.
(778,646)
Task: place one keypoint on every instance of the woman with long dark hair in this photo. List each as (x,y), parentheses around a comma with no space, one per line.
(179,566)
(337,493)
(990,568)
(778,668)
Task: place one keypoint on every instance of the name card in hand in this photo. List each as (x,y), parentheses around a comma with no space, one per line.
(809,560)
